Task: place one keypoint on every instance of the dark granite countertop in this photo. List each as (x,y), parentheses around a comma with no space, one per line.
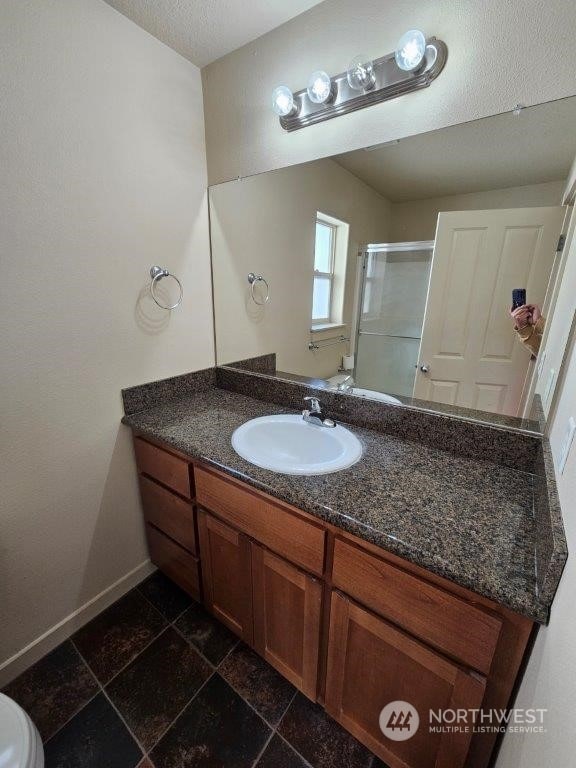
(468,520)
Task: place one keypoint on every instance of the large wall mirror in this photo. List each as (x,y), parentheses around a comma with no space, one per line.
(388,272)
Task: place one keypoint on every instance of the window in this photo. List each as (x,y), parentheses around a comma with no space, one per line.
(323,271)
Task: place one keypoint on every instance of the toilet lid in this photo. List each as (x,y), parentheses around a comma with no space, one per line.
(16,735)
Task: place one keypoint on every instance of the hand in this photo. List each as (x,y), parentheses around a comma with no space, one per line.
(522,316)
(535,313)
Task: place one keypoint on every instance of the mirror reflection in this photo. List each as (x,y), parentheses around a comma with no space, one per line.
(389,272)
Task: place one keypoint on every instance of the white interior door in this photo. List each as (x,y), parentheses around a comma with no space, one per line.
(468,343)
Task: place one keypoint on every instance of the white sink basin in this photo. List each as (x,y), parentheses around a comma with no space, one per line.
(373,395)
(289,445)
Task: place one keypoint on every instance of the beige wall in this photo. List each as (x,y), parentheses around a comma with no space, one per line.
(265,224)
(416,220)
(103,175)
(560,324)
(549,681)
(491,67)
(549,678)
(570,189)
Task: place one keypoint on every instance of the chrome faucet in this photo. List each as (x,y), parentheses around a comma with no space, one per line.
(314,415)
(346,385)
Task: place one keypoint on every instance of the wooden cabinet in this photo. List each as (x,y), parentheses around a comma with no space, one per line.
(277,526)
(268,602)
(226,574)
(176,562)
(371,664)
(345,621)
(287,610)
(171,514)
(164,466)
(453,626)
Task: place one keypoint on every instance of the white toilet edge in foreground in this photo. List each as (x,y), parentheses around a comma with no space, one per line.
(20,742)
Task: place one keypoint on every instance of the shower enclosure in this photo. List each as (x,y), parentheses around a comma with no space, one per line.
(393,286)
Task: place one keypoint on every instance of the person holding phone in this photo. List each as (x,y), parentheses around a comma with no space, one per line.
(528,324)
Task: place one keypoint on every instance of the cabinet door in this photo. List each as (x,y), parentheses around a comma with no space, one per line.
(371,664)
(226,574)
(287,606)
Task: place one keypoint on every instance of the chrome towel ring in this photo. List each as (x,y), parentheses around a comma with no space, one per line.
(254,280)
(157,273)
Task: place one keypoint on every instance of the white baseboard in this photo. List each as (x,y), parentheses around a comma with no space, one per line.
(39,647)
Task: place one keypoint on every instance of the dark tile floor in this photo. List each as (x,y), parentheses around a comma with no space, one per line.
(156,682)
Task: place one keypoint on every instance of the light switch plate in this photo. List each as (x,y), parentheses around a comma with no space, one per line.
(566,445)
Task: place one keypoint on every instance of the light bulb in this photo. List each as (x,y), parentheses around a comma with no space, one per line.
(283,101)
(320,87)
(360,73)
(410,50)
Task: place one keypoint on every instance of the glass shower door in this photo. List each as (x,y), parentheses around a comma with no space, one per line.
(395,280)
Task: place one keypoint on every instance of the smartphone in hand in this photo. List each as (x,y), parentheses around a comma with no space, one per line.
(518,297)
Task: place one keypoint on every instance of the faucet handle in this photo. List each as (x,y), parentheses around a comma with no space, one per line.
(314,404)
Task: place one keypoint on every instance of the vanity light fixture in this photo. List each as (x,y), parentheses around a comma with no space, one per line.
(283,101)
(410,51)
(415,64)
(320,88)
(360,74)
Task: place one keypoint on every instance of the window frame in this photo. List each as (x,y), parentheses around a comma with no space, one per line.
(327,275)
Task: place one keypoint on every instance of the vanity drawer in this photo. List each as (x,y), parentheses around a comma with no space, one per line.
(277,528)
(169,512)
(163,466)
(173,560)
(439,618)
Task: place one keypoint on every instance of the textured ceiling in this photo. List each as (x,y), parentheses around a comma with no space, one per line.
(494,153)
(205,30)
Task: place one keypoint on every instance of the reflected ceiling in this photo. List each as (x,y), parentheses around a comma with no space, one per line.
(534,147)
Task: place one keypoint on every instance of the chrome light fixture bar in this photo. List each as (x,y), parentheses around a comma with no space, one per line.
(387,81)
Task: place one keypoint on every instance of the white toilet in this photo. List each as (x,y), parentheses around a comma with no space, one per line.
(20,742)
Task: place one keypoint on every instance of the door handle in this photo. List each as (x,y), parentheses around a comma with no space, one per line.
(424,367)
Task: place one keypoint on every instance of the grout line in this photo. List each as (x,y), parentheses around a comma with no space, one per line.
(137,587)
(191,644)
(229,653)
(85,704)
(253,708)
(158,611)
(296,692)
(245,700)
(293,748)
(122,669)
(121,716)
(77,712)
(274,729)
(101,688)
(144,753)
(241,695)
(181,614)
(264,748)
(181,712)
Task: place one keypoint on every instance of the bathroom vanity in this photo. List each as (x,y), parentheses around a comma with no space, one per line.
(391,580)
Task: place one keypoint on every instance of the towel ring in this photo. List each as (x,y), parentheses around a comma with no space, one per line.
(157,273)
(254,280)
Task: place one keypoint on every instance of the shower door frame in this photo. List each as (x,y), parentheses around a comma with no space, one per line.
(363,253)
